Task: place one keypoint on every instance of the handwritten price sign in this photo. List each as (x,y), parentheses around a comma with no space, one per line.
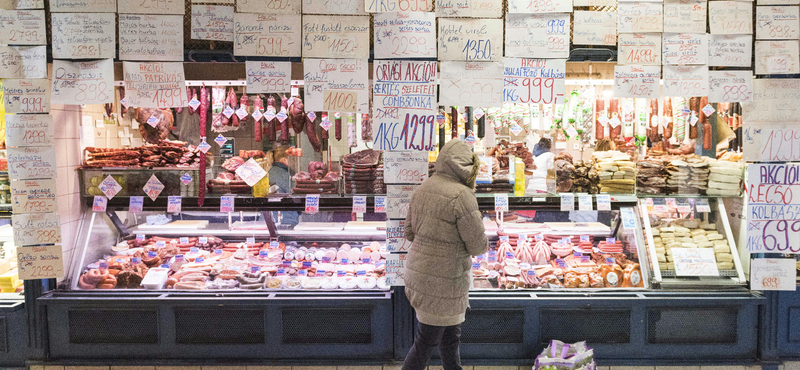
(336,36)
(777,57)
(471,84)
(730,17)
(271,6)
(36,228)
(685,80)
(773,223)
(730,86)
(267,35)
(31,163)
(534,81)
(26,96)
(635,81)
(640,48)
(398,200)
(83,82)
(23,27)
(695,262)
(772,274)
(33,196)
(312,203)
(396,236)
(152,7)
(268,77)
(340,101)
(40,262)
(84,35)
(777,22)
(405,35)
(23,62)
(405,167)
(212,22)
(470,39)
(29,130)
(141,91)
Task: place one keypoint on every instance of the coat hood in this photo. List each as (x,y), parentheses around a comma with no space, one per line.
(457,160)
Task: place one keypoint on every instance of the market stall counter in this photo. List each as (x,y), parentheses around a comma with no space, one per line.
(705,320)
(204,284)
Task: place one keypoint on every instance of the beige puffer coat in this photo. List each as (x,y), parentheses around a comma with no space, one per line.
(445,228)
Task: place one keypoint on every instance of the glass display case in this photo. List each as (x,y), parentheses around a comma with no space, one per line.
(673,226)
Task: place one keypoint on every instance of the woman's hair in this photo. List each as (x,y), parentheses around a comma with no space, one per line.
(279,153)
(545,143)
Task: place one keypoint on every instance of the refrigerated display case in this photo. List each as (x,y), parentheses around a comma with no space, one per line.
(217,285)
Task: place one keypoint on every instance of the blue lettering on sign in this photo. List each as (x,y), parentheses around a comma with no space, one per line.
(415,133)
(478,49)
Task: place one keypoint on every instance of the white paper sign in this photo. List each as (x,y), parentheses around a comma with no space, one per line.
(398,200)
(155,85)
(396,269)
(405,35)
(396,237)
(778,2)
(23,61)
(469,8)
(770,132)
(777,22)
(773,274)
(80,83)
(334,74)
(26,95)
(594,3)
(772,217)
(212,22)
(83,6)
(471,39)
(777,57)
(585,202)
(695,262)
(730,50)
(640,17)
(685,48)
(730,86)
(29,130)
(404,105)
(534,81)
(251,172)
(268,77)
(351,7)
(477,84)
(84,35)
(405,167)
(336,36)
(153,187)
(28,4)
(22,27)
(688,16)
(567,202)
(267,35)
(31,163)
(359,204)
(634,81)
(730,17)
(539,6)
(640,48)
(603,202)
(33,196)
(225,2)
(153,7)
(174,204)
(594,28)
(151,37)
(537,35)
(386,6)
(269,6)
(40,262)
(686,80)
(135,204)
(36,228)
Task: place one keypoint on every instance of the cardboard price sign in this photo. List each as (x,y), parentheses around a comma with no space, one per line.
(33,196)
(137,41)
(773,274)
(23,61)
(730,50)
(595,28)
(537,35)
(334,74)
(36,228)
(695,262)
(636,81)
(405,167)
(730,86)
(35,162)
(267,35)
(470,40)
(772,128)
(398,200)
(29,130)
(26,95)
(95,32)
(396,236)
(23,27)
(83,82)
(269,77)
(773,222)
(340,101)
(534,81)
(405,35)
(471,84)
(326,36)
(40,262)
(140,91)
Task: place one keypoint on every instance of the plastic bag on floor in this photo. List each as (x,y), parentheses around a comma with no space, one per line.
(564,356)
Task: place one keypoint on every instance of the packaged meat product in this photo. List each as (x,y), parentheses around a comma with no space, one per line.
(348,282)
(155,278)
(312,283)
(381,283)
(293,282)
(329,282)
(366,282)
(632,276)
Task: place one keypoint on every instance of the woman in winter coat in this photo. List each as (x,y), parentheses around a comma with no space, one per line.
(445,228)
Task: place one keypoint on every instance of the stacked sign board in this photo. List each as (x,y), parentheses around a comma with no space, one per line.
(30,141)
